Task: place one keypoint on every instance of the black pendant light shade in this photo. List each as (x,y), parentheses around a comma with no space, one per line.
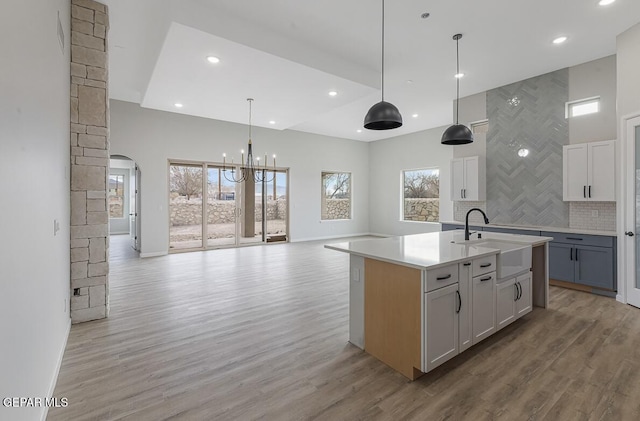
(458,134)
(383,116)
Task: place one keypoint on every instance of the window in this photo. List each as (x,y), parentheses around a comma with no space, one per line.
(421,195)
(582,107)
(116,196)
(336,195)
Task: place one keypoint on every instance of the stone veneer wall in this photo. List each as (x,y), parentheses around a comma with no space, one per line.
(189,212)
(424,210)
(337,209)
(89,161)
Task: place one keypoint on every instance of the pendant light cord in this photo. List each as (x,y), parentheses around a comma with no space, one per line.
(250,101)
(383,50)
(457,79)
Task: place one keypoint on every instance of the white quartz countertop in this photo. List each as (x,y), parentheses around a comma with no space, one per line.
(536,228)
(430,250)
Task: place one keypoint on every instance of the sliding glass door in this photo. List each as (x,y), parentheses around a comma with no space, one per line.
(225,212)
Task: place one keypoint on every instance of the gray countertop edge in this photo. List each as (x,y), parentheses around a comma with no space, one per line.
(536,228)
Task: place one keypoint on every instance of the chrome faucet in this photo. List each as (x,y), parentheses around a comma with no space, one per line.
(466,222)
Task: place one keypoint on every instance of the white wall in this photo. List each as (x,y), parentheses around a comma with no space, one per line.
(389,158)
(152,137)
(594,78)
(34,167)
(628,71)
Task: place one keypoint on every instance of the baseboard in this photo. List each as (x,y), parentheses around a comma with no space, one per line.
(54,380)
(329,237)
(153,254)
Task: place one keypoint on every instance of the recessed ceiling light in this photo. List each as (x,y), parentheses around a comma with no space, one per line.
(605,2)
(213,59)
(359,130)
(559,40)
(272,122)
(523,152)
(414,115)
(425,15)
(458,75)
(409,81)
(333,93)
(178,105)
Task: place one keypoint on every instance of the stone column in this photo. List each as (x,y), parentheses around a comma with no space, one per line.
(89,161)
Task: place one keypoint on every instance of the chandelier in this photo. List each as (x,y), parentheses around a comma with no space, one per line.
(250,170)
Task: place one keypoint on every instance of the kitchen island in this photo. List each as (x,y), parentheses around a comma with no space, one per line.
(417,301)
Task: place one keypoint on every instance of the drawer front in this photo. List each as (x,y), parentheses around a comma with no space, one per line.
(580,239)
(483,265)
(442,277)
(511,231)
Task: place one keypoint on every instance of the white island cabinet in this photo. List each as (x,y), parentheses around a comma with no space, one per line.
(417,301)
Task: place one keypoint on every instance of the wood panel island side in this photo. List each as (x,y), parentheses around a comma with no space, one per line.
(417,301)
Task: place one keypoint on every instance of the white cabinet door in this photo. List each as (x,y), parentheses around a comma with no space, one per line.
(484,306)
(465,314)
(468,178)
(574,172)
(601,181)
(589,172)
(524,304)
(457,179)
(506,295)
(441,325)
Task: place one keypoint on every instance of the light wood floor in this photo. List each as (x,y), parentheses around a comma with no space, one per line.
(261,333)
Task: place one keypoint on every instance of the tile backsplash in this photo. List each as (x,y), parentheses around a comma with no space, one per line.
(581,215)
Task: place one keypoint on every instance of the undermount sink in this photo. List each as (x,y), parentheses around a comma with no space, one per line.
(513,258)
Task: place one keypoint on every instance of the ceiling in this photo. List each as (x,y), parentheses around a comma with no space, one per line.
(288,54)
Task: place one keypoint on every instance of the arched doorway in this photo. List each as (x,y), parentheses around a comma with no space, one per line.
(124,202)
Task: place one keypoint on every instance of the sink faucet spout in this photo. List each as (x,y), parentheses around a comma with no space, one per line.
(466,221)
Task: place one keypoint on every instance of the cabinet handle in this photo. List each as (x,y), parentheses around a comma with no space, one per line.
(571,253)
(442,278)
(519,290)
(515,286)
(575,238)
(459,302)
(461,193)
(465,193)
(576,254)
(467,264)
(589,191)
(485,265)
(584,191)
(485,279)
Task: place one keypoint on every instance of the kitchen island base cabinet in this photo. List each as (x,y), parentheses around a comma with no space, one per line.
(393,316)
(442,311)
(484,306)
(513,299)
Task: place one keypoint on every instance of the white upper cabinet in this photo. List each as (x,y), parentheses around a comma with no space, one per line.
(468,178)
(589,172)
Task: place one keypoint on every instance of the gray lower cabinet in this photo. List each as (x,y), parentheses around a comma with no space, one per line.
(583,259)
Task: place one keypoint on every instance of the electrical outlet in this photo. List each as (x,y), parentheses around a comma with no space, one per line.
(594,213)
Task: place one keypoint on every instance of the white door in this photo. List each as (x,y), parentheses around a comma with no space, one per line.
(524,303)
(601,183)
(484,306)
(574,172)
(506,296)
(471,172)
(632,208)
(464,307)
(457,178)
(442,325)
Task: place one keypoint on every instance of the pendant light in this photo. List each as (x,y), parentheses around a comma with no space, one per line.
(383,115)
(458,134)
